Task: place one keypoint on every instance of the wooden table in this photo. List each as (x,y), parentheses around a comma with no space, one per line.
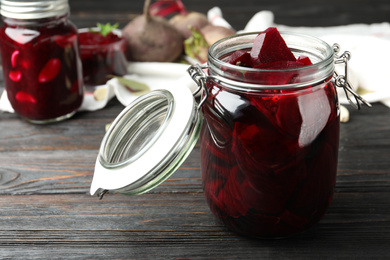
(46,211)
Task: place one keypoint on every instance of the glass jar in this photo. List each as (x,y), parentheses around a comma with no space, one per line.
(269,138)
(102,56)
(269,141)
(41,63)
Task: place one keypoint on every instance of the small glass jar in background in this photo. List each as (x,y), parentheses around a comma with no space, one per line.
(41,62)
(102,56)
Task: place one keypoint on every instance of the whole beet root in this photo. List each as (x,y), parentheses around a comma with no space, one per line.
(152,38)
(184,21)
(213,33)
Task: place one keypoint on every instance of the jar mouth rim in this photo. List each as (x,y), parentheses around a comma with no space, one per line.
(121,40)
(324,62)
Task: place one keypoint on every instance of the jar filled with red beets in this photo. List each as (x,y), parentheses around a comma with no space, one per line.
(270,135)
(41,62)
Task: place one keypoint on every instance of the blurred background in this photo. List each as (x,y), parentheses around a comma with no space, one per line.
(86,13)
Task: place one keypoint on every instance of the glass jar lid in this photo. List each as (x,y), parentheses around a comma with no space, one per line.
(147,142)
(32,9)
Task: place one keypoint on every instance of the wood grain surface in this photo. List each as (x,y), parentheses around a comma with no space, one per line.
(46,211)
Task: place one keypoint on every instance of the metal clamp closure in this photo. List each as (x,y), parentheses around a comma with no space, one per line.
(199,76)
(342,80)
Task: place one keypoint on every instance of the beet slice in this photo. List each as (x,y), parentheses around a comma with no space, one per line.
(50,71)
(269,46)
(304,60)
(15,75)
(240,58)
(14,56)
(288,117)
(25,97)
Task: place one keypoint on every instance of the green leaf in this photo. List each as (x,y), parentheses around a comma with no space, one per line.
(135,87)
(196,46)
(105,29)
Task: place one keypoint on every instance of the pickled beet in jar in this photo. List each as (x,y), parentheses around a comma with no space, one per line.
(269,141)
(41,62)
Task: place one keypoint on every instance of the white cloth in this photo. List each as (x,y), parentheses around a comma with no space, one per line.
(156,75)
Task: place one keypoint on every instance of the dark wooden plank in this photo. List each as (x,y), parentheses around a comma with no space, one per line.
(157,226)
(364,151)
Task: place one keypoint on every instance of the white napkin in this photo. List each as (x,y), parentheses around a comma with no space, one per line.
(368,68)
(156,75)
(214,15)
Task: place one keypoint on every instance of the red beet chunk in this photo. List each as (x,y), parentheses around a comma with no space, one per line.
(240,58)
(24,97)
(304,60)
(49,71)
(269,46)
(259,148)
(14,56)
(288,117)
(15,75)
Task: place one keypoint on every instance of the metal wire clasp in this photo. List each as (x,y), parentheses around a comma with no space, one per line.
(342,80)
(101,194)
(199,76)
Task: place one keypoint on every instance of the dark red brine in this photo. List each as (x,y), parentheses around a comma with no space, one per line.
(41,63)
(269,142)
